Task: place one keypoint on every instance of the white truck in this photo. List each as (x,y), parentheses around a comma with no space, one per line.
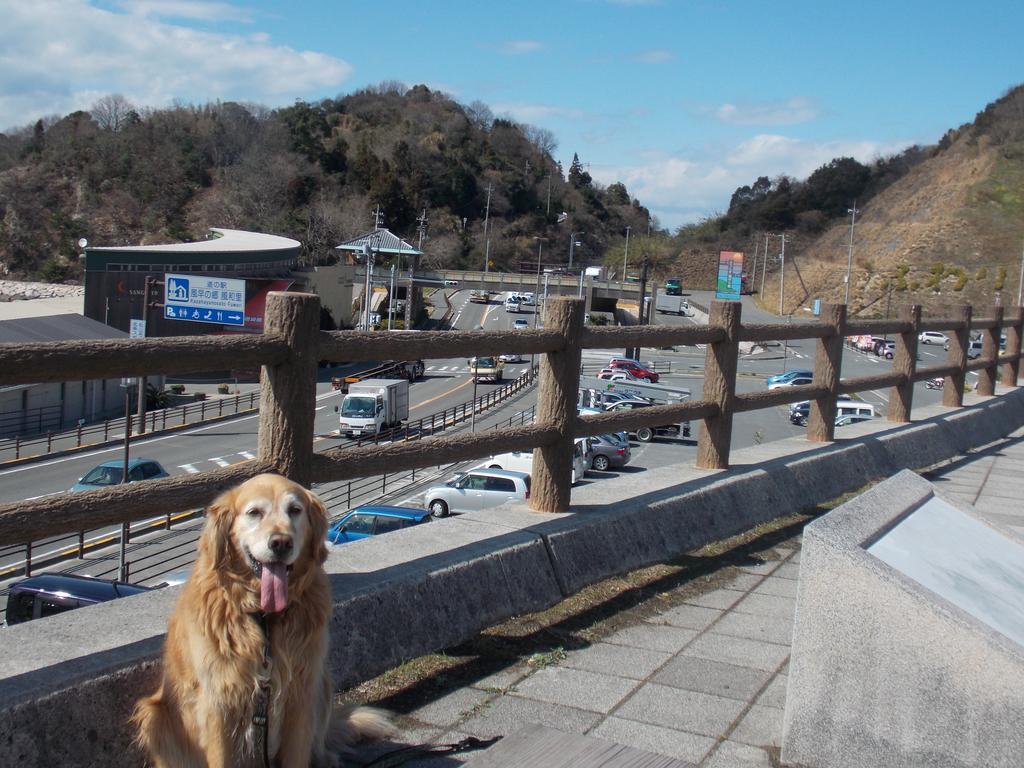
(677,305)
(374,405)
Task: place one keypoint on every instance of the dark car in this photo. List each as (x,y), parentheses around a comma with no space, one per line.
(51,593)
(608,451)
(363,522)
(646,434)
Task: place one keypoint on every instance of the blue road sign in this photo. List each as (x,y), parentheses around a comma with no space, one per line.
(202,299)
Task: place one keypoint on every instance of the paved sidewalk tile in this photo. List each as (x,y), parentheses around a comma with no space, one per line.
(722,599)
(766,605)
(683,710)
(449,710)
(738,651)
(761,568)
(689,616)
(653,738)
(503,679)
(771,628)
(616,660)
(694,673)
(576,688)
(507,714)
(787,571)
(760,727)
(743,581)
(776,585)
(775,694)
(656,637)
(732,755)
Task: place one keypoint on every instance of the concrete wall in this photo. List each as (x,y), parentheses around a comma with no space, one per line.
(885,672)
(68,682)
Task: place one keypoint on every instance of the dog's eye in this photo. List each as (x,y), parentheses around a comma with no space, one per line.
(294,510)
(254,512)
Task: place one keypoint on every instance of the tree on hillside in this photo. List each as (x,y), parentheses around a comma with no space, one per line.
(578,177)
(111,112)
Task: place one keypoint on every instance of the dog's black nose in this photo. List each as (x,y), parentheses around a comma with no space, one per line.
(280,544)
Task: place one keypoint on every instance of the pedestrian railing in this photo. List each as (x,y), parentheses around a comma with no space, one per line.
(289,349)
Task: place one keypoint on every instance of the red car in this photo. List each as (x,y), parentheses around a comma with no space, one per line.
(636,369)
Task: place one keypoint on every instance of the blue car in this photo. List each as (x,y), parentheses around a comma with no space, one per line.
(782,378)
(362,522)
(112,472)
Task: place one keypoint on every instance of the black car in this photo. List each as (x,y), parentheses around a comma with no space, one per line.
(52,593)
(646,434)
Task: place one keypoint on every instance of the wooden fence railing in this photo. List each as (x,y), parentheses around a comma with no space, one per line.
(291,344)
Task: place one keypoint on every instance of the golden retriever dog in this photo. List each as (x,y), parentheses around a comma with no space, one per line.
(247,643)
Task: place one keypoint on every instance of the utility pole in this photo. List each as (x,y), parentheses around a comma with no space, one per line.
(625,257)
(764,267)
(634,352)
(572,242)
(849,257)
(549,194)
(1020,286)
(782,273)
(421,228)
(487,240)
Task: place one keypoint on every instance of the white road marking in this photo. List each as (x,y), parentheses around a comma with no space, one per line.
(247,454)
(190,468)
(43,496)
(220,462)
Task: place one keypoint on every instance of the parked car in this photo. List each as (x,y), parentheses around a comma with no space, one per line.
(974,348)
(786,376)
(644,363)
(112,472)
(636,369)
(51,593)
(608,452)
(798,412)
(522,461)
(616,374)
(852,410)
(932,337)
(845,421)
(363,522)
(623,437)
(795,381)
(520,325)
(477,489)
(646,434)
(513,357)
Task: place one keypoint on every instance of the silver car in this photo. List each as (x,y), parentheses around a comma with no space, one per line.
(477,489)
(608,451)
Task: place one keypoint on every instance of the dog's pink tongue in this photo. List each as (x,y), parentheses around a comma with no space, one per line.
(274,587)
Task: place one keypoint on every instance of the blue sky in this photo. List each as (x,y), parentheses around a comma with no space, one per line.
(682,100)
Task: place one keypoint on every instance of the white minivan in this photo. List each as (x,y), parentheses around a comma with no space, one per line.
(859,411)
(512,303)
(522,461)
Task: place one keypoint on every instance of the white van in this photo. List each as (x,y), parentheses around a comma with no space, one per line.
(853,411)
(512,303)
(522,461)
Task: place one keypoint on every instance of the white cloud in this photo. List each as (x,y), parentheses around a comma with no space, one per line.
(196,10)
(787,112)
(680,190)
(519,47)
(535,113)
(655,56)
(59,55)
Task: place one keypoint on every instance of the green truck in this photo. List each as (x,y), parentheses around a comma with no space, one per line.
(674,286)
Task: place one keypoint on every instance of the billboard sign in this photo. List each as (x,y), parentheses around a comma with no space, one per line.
(203,299)
(730,274)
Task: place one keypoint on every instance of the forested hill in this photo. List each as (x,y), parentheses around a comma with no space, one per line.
(123,174)
(935,225)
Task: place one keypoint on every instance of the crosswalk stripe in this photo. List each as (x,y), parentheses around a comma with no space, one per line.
(220,462)
(190,468)
(247,454)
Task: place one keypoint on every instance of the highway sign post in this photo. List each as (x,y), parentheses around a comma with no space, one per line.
(203,299)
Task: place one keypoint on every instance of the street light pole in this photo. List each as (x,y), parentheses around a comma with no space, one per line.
(487,240)
(849,258)
(572,242)
(764,267)
(625,257)
(782,273)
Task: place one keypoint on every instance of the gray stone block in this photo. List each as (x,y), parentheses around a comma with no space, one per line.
(718,678)
(654,738)
(886,671)
(668,707)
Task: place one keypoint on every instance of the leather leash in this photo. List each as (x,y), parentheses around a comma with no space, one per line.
(405,754)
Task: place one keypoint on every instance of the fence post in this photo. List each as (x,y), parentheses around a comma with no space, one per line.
(828,362)
(720,386)
(905,361)
(1011,370)
(79,435)
(556,407)
(953,389)
(288,390)
(990,348)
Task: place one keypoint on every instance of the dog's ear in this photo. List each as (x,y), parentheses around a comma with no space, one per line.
(216,538)
(317,527)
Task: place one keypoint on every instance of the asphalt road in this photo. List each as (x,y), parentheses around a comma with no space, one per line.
(447,382)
